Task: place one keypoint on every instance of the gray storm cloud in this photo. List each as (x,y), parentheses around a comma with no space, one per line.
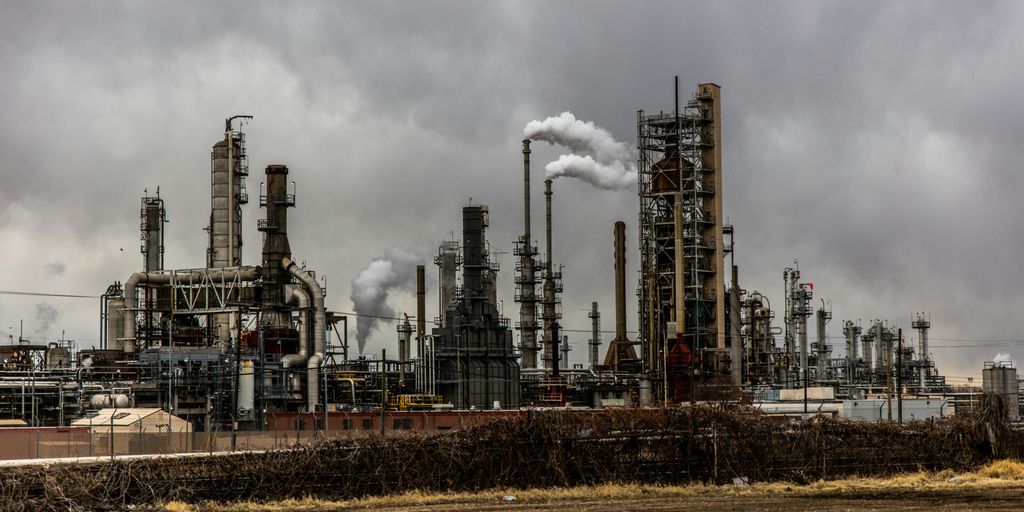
(370,289)
(597,158)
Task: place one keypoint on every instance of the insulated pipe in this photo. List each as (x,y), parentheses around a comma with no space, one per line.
(295,294)
(128,344)
(319,331)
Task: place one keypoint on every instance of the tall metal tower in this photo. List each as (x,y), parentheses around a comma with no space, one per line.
(682,286)
(595,337)
(922,323)
(526,278)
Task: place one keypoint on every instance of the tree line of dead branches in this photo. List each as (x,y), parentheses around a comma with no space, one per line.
(708,443)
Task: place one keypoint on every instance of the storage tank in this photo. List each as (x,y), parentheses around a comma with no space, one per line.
(246,390)
(115,322)
(57,357)
(1000,377)
(107,400)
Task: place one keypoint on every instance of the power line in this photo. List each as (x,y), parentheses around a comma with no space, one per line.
(40,294)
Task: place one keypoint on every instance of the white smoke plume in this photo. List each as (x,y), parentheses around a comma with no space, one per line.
(609,177)
(597,157)
(1003,357)
(579,136)
(397,269)
(46,315)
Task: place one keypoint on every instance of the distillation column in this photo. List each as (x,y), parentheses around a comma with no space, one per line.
(922,324)
(680,175)
(595,337)
(228,168)
(851,331)
(822,349)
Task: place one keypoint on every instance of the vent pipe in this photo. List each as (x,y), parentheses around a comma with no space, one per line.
(319,331)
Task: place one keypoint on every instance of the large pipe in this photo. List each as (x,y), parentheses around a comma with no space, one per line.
(128,344)
(735,334)
(319,331)
(297,295)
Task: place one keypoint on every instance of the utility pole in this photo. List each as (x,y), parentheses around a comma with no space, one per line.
(888,372)
(383,387)
(899,375)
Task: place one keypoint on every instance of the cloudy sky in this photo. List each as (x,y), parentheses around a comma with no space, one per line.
(872,141)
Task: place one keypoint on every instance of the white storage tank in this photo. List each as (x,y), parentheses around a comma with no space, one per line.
(1000,377)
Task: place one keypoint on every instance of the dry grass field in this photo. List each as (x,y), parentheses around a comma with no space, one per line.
(996,486)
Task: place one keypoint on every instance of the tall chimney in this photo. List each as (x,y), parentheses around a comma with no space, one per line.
(620,350)
(549,314)
(527,279)
(421,308)
(620,280)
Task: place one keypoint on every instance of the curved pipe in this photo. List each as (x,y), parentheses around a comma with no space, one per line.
(128,343)
(319,331)
(297,295)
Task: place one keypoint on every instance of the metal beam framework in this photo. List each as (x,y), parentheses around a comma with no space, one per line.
(677,163)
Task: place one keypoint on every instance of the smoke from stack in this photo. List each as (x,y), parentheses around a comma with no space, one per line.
(597,158)
(1002,357)
(370,289)
(46,315)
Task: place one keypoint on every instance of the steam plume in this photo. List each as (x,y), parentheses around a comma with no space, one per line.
(579,136)
(1002,357)
(397,269)
(597,157)
(46,315)
(609,177)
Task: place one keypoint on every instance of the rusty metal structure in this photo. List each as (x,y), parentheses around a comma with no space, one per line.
(682,286)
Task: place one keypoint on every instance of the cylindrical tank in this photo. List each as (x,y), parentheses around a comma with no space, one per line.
(645,392)
(246,389)
(103,401)
(115,322)
(57,357)
(1001,379)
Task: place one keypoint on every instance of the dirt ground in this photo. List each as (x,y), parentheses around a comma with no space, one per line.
(968,499)
(987,500)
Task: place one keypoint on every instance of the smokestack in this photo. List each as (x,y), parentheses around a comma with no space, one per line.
(595,339)
(550,329)
(619,348)
(421,308)
(526,190)
(620,280)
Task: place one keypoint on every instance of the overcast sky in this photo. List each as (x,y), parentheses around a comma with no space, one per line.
(875,142)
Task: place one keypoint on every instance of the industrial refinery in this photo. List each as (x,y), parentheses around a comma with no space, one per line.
(233,342)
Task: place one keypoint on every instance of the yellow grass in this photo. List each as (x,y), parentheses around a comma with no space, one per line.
(999,474)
